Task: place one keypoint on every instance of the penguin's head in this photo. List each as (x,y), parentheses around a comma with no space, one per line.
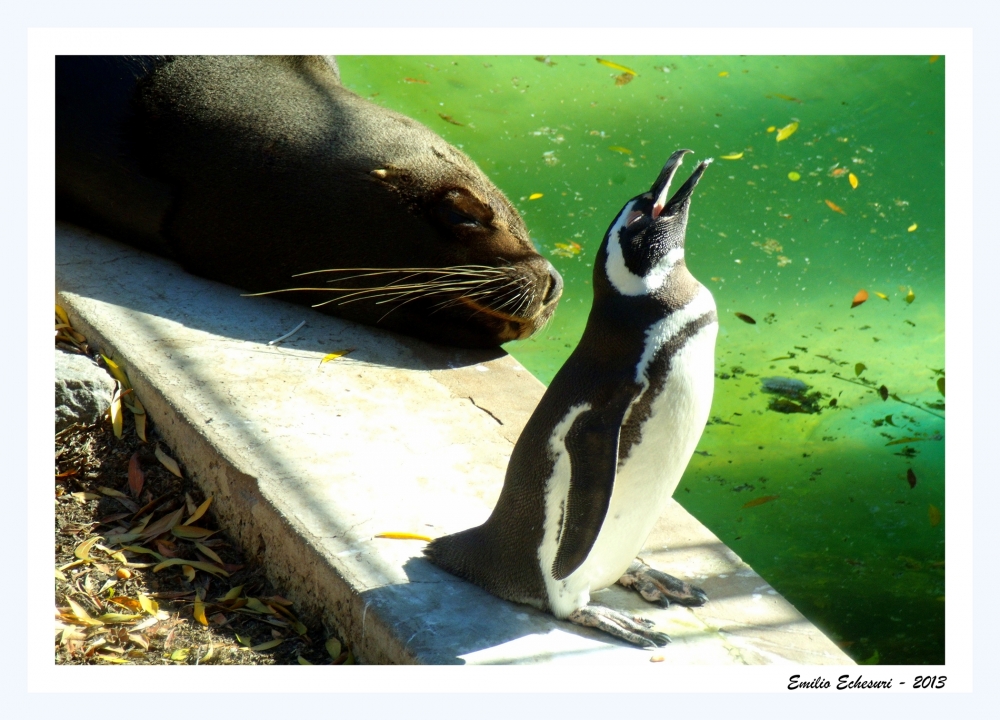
(646,240)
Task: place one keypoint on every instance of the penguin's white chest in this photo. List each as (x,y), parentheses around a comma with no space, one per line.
(648,476)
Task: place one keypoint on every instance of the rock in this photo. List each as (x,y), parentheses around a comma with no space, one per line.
(83,390)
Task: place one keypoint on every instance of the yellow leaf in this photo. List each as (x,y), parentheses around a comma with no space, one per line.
(83,549)
(794,176)
(200,511)
(208,656)
(60,575)
(199,609)
(164,524)
(724,73)
(61,314)
(140,425)
(207,567)
(787,131)
(853,179)
(303,661)
(168,462)
(123,573)
(934,515)
(143,551)
(233,593)
(911,228)
(256,605)
(84,496)
(620,149)
(117,372)
(350,658)
(333,647)
(771,129)
(267,645)
(403,536)
(116,413)
(189,532)
(616,66)
(336,354)
(733,156)
(117,617)
(883,296)
(188,572)
(148,605)
(82,615)
(536,196)
(209,552)
(242,640)
(910,297)
(111,492)
(180,655)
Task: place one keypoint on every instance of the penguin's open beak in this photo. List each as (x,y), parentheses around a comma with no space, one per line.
(661,187)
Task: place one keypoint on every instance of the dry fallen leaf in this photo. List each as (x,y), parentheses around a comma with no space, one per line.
(168,462)
(135,476)
(333,647)
(199,512)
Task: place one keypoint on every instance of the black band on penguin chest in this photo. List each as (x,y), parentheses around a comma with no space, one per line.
(657,372)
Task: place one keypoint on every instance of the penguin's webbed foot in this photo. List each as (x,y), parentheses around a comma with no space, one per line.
(660,588)
(633,630)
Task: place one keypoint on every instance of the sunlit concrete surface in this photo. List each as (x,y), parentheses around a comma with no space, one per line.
(307,461)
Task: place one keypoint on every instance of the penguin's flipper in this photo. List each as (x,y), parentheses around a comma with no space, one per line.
(592,445)
(633,630)
(658,587)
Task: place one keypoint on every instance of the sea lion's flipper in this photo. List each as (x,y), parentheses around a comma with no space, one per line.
(660,588)
(592,444)
(637,631)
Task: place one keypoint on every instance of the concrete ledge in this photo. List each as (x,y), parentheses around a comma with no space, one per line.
(307,462)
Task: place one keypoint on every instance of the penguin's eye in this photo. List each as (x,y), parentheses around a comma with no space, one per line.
(632,217)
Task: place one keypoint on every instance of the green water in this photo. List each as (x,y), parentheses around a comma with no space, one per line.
(846,539)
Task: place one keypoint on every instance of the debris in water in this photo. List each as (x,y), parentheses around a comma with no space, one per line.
(833,206)
(787,131)
(535,196)
(794,176)
(623,79)
(940,385)
(911,478)
(760,501)
(450,119)
(415,80)
(732,156)
(745,318)
(859,368)
(545,59)
(783,386)
(911,228)
(861,296)
(616,66)
(883,392)
(883,296)
(910,297)
(853,179)
(934,515)
(789,98)
(620,149)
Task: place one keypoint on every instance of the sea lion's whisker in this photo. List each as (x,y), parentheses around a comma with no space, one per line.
(368,272)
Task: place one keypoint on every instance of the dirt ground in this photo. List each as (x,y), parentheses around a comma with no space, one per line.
(143,575)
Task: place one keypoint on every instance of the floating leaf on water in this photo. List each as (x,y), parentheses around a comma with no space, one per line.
(450,119)
(403,536)
(745,318)
(733,156)
(859,368)
(838,171)
(940,385)
(883,392)
(906,440)
(168,462)
(911,228)
(200,511)
(910,297)
(787,131)
(620,149)
(911,478)
(760,501)
(616,66)
(833,206)
(794,176)
(934,515)
(787,97)
(545,59)
(771,129)
(853,179)
(535,196)
(724,73)
(135,476)
(859,298)
(333,648)
(933,58)
(418,81)
(882,295)
(623,79)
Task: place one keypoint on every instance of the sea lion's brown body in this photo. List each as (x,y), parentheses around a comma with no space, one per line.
(252,170)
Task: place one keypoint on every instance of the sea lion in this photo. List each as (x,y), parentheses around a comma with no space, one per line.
(267,174)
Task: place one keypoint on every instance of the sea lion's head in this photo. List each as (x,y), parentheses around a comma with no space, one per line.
(284,181)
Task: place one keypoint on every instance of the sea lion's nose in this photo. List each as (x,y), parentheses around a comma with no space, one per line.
(555,288)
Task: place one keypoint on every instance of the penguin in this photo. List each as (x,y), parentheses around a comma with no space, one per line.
(604,450)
